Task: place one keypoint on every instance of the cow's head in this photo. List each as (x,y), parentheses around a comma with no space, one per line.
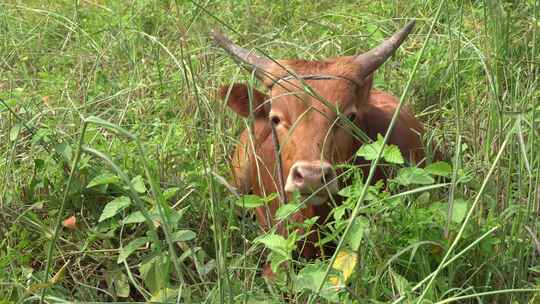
(315,126)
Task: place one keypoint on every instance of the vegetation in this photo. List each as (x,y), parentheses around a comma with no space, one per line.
(114,148)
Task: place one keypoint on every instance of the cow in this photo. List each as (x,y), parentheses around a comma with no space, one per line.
(312,112)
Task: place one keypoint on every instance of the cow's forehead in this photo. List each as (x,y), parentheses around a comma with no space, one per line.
(329,95)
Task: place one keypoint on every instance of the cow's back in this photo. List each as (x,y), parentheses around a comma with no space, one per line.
(407,132)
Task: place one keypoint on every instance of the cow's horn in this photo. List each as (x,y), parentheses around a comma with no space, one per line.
(251,60)
(374,58)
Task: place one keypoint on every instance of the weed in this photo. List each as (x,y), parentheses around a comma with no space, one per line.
(108,118)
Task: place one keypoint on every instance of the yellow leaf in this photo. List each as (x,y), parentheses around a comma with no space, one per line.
(60,274)
(346,263)
(34,288)
(335,282)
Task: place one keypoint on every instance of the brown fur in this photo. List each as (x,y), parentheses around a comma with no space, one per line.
(309,130)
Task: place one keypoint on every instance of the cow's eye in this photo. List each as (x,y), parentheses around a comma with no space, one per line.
(275,120)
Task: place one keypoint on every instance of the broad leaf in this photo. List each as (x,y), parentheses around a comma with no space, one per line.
(114,207)
(65,150)
(459,210)
(277,259)
(134,218)
(286,210)
(359,226)
(310,278)
(14,132)
(103,179)
(183,236)
(370,151)
(119,283)
(350,191)
(138,184)
(339,211)
(400,283)
(126,251)
(346,263)
(280,248)
(276,243)
(205,269)
(439,168)
(169,193)
(354,191)
(393,155)
(6,104)
(155,272)
(412,175)
(165,295)
(250,201)
(177,215)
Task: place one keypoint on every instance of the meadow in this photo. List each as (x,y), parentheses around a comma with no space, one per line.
(115,151)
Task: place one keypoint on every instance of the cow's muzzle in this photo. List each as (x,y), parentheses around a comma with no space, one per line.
(309,177)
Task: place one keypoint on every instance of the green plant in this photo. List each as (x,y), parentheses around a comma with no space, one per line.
(118,99)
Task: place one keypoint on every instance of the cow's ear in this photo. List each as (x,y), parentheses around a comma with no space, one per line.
(238,97)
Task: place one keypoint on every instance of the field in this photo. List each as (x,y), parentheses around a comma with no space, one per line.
(115,148)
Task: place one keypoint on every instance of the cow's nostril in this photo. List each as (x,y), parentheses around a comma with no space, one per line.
(328,176)
(297,176)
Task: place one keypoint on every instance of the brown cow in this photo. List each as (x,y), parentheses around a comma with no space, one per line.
(312,126)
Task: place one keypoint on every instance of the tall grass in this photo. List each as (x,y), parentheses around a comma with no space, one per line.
(109,114)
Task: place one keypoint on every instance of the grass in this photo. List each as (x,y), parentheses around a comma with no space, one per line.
(108,113)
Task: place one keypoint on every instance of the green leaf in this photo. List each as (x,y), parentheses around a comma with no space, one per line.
(276,260)
(439,168)
(138,184)
(276,243)
(350,191)
(354,191)
(126,251)
(14,132)
(134,218)
(10,103)
(370,151)
(165,295)
(286,210)
(339,211)
(393,155)
(400,283)
(169,193)
(155,272)
(423,199)
(65,150)
(310,221)
(183,236)
(359,227)
(121,285)
(177,215)
(118,282)
(103,179)
(459,210)
(114,207)
(311,277)
(412,175)
(250,201)
(205,269)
